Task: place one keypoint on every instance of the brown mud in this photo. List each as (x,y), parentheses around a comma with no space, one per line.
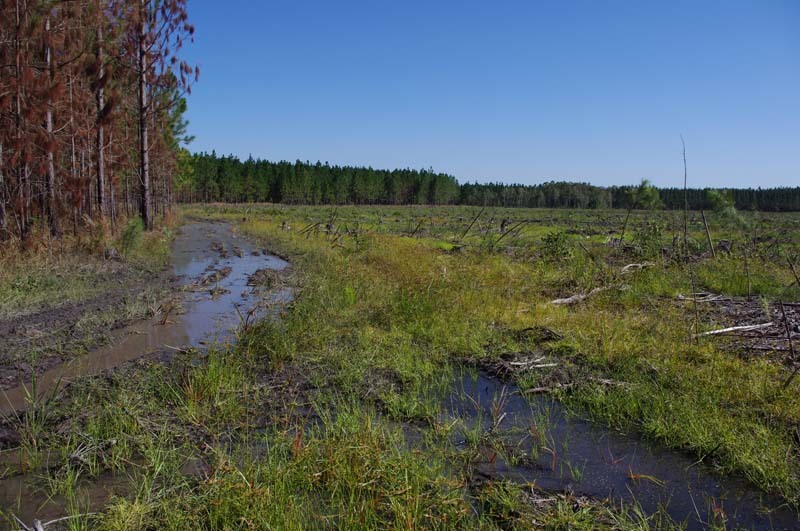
(221,281)
(214,268)
(33,342)
(776,326)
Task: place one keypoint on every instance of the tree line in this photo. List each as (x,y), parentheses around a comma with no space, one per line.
(210,177)
(91,102)
(226,178)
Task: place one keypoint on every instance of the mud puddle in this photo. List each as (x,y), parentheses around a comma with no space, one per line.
(536,441)
(223,280)
(214,267)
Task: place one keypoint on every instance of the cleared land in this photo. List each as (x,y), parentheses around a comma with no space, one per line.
(409,383)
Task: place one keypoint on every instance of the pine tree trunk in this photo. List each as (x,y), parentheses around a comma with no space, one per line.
(127,196)
(77,193)
(50,183)
(21,170)
(112,195)
(89,199)
(3,221)
(144,155)
(101,178)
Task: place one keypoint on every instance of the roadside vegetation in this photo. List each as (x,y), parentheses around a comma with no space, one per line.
(335,415)
(69,267)
(416,304)
(59,299)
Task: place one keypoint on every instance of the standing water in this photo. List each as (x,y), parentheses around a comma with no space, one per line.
(215,269)
(555,451)
(214,266)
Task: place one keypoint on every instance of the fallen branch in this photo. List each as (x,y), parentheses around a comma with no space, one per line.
(704,297)
(543,390)
(745,328)
(558,386)
(635,267)
(580,297)
(526,363)
(177,349)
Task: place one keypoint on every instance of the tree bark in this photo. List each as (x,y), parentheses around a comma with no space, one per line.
(112,196)
(144,154)
(3,221)
(21,168)
(101,177)
(50,183)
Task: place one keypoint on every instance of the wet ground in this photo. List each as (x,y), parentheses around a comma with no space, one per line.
(32,342)
(213,268)
(222,281)
(541,444)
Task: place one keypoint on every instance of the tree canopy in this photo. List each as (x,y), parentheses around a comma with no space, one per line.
(210,177)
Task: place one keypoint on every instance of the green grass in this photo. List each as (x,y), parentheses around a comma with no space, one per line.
(76,270)
(305,423)
(416,308)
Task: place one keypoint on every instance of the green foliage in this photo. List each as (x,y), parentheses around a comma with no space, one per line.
(729,276)
(555,246)
(644,197)
(722,202)
(209,177)
(349,295)
(131,234)
(648,239)
(229,179)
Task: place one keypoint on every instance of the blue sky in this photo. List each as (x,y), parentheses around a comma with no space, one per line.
(514,91)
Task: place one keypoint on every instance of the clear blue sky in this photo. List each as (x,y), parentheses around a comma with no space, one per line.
(515,91)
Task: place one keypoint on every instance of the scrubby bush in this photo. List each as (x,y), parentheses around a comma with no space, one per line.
(648,238)
(724,207)
(131,234)
(555,246)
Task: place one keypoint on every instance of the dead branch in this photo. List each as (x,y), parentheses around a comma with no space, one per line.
(471,224)
(635,267)
(704,297)
(543,390)
(708,235)
(611,383)
(559,386)
(745,328)
(794,272)
(579,297)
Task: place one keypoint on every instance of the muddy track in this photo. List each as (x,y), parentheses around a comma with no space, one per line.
(219,279)
(57,334)
(530,440)
(220,282)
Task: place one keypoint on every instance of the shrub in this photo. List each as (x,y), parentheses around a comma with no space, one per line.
(555,246)
(131,234)
(647,239)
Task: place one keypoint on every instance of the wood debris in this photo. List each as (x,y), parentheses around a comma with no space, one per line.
(579,297)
